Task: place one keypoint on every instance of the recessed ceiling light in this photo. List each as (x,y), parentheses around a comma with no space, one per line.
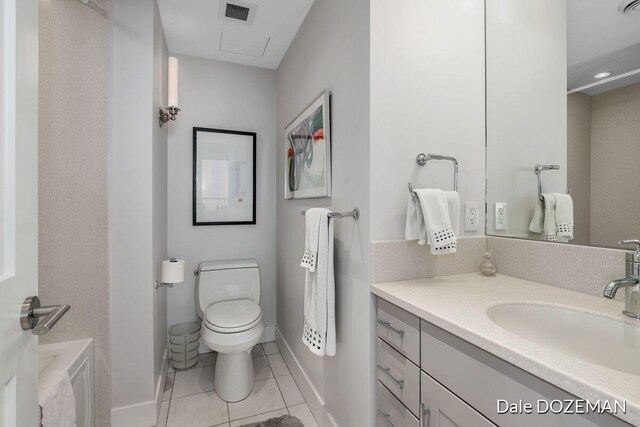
(603,75)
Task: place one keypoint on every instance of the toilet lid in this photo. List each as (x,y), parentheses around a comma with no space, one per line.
(233,314)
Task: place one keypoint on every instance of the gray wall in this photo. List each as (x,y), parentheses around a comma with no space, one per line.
(331,51)
(579,164)
(222,95)
(159,193)
(615,150)
(427,95)
(73,177)
(137,215)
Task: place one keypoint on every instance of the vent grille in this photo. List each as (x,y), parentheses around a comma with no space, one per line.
(235,11)
(634,6)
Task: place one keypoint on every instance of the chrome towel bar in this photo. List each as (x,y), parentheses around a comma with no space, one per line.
(422,160)
(539,169)
(355,214)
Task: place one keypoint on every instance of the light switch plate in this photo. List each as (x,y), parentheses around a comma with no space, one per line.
(500,216)
(471,216)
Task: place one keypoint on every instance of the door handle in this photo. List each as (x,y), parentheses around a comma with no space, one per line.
(32,312)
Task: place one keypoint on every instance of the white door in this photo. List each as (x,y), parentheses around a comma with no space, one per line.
(18,209)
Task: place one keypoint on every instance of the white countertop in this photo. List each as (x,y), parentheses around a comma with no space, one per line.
(459,304)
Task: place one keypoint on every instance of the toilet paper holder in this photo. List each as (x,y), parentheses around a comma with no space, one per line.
(173,269)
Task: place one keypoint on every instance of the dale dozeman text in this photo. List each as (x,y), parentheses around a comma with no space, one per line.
(566,406)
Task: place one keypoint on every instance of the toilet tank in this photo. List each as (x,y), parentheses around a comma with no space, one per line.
(219,281)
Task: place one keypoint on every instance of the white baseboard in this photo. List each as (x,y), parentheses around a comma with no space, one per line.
(145,413)
(310,393)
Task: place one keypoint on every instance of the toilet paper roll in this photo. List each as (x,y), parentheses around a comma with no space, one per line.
(173,270)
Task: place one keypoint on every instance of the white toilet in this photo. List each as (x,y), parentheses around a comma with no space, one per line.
(227,301)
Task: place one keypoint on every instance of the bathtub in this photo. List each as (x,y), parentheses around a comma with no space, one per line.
(76,358)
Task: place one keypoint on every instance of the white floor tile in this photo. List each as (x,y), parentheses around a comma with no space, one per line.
(258,418)
(162,417)
(257,351)
(290,391)
(303,413)
(193,381)
(270,348)
(261,369)
(206,359)
(168,386)
(278,366)
(199,410)
(264,397)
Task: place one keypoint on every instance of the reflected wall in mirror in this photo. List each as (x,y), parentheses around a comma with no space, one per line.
(563,94)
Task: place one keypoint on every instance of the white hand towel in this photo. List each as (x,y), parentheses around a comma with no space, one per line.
(453,202)
(537,222)
(312,219)
(550,229)
(319,329)
(437,219)
(414,227)
(57,400)
(564,217)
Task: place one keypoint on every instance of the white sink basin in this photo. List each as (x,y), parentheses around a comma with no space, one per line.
(595,339)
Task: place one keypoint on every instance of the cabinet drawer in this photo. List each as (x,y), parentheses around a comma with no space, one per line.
(391,412)
(443,408)
(400,376)
(399,329)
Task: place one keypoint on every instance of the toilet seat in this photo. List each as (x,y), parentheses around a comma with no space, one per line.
(232,316)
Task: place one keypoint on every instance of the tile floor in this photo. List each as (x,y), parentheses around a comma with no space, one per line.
(190,400)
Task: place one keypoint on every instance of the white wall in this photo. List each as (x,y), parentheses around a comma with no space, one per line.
(331,52)
(526,105)
(427,95)
(136,223)
(222,95)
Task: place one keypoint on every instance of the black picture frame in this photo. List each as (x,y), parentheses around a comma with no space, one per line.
(196,130)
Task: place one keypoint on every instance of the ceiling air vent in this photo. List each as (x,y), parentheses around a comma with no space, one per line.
(631,7)
(235,11)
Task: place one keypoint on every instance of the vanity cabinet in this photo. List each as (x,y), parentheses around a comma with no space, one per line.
(426,372)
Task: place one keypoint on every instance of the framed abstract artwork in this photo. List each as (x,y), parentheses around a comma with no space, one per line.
(307,152)
(224,177)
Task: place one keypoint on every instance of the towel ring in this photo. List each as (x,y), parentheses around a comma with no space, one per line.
(422,160)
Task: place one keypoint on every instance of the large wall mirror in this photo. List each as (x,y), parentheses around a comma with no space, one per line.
(563,120)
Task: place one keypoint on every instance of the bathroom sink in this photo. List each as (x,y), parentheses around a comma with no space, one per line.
(607,342)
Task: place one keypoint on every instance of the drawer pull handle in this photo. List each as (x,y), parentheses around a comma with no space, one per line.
(391,328)
(399,383)
(386,417)
(425,414)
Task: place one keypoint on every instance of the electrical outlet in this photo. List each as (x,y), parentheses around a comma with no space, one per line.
(500,216)
(471,216)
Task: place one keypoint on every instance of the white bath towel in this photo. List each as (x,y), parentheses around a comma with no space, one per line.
(319,329)
(415,228)
(564,217)
(57,400)
(312,219)
(434,204)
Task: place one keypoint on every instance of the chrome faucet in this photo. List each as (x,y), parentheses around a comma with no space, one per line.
(631,283)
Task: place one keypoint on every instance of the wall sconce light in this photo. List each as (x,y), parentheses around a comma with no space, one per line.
(172,110)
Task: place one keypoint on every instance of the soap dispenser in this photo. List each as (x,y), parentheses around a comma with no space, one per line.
(488,266)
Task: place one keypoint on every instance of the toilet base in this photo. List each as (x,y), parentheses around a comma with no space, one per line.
(233,380)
